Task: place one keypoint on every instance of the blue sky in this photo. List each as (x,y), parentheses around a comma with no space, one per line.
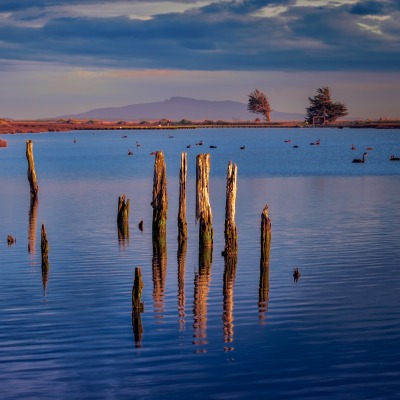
(67,56)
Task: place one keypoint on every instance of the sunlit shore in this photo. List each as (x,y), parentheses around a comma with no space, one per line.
(12,126)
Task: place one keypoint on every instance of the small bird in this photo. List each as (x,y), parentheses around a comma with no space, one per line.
(242,147)
(130,153)
(296,274)
(137,144)
(188,146)
(213,147)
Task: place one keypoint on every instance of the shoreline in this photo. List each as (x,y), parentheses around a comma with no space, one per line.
(14,127)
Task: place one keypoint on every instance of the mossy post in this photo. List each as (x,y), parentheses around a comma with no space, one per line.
(123,210)
(44,246)
(31,170)
(123,219)
(160,199)
(263,293)
(182,224)
(203,207)
(230,231)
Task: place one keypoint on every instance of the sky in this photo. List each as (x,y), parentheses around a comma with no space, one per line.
(62,57)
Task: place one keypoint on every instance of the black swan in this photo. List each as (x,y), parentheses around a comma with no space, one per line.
(360,160)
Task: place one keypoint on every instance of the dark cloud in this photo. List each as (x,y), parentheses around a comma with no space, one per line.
(223,35)
(368,8)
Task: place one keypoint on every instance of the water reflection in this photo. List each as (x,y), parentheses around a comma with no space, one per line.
(159,269)
(33,210)
(228,285)
(181,255)
(201,288)
(45,258)
(263,292)
(123,234)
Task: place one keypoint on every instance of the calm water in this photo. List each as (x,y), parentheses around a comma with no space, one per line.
(333,334)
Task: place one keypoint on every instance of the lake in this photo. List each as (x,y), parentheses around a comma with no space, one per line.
(68,333)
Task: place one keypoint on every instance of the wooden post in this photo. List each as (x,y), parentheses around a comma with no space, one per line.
(123,209)
(263,293)
(44,246)
(137,290)
(160,199)
(123,220)
(231,240)
(137,307)
(31,170)
(182,224)
(203,207)
(32,226)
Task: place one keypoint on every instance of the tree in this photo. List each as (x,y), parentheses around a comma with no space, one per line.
(322,107)
(259,104)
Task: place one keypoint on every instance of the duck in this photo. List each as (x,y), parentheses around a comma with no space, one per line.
(288,140)
(213,147)
(188,146)
(296,274)
(353,147)
(369,148)
(393,158)
(74,140)
(170,136)
(316,143)
(130,153)
(137,144)
(199,143)
(242,147)
(153,153)
(295,146)
(360,160)
(124,136)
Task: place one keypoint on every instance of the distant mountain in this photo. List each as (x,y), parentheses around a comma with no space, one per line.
(178,108)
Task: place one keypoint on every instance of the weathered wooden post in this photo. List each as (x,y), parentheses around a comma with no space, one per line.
(182,224)
(160,199)
(263,293)
(203,207)
(34,188)
(123,210)
(228,285)
(137,307)
(265,236)
(230,231)
(123,220)
(45,247)
(32,226)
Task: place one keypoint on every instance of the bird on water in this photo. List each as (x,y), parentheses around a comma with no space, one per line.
(360,160)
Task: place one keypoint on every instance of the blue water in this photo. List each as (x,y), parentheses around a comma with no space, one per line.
(333,334)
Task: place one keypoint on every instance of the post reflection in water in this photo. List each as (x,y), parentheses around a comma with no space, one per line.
(44,246)
(229,283)
(181,255)
(137,327)
(33,209)
(263,293)
(123,234)
(201,288)
(159,268)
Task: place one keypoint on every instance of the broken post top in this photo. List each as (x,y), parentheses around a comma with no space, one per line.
(160,196)
(203,207)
